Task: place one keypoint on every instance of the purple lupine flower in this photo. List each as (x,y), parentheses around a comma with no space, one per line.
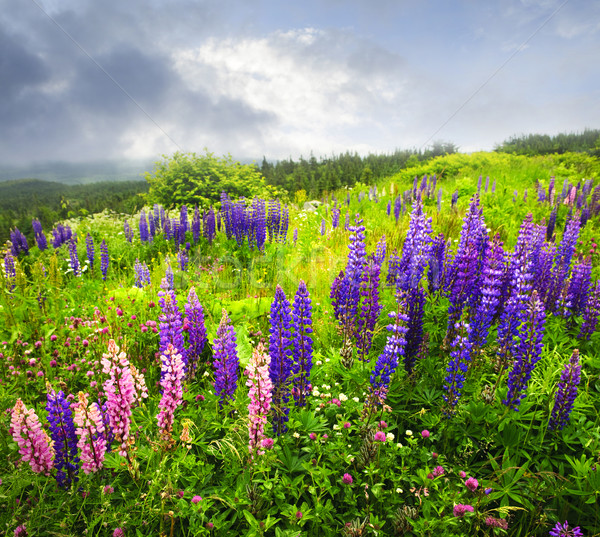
(387,362)
(454,199)
(295,235)
(273,219)
(335,216)
(103,259)
(562,261)
(171,327)
(167,229)
(439,200)
(389,207)
(380,251)
(172,373)
(156,210)
(436,263)
(393,268)
(465,274)
(563,530)
(585,216)
(196,225)
(579,287)
(323,226)
(74,259)
(62,432)
(347,221)
(302,344)
(526,352)
(143,227)
(210,225)
(591,312)
(415,303)
(416,249)
(10,270)
(397,207)
(183,259)
(370,308)
(183,221)
(169,279)
(128,231)
(18,243)
(458,367)
(260,223)
(142,274)
(194,320)
(566,393)
(551,225)
(89,249)
(281,358)
(40,237)
(151,226)
(337,295)
(551,190)
(226,362)
(120,393)
(487,306)
(283,228)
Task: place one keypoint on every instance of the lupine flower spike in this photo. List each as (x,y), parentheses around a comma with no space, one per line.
(172,392)
(260,394)
(226,360)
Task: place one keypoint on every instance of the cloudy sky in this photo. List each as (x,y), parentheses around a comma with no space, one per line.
(88,80)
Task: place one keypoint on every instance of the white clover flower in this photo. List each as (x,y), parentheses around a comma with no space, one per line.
(409,432)
(336,427)
(342,397)
(318,362)
(356,399)
(316,392)
(390,437)
(296,435)
(399,445)
(399,490)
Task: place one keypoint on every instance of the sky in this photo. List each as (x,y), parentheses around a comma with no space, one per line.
(84,80)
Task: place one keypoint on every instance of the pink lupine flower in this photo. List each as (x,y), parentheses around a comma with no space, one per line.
(260,394)
(35,446)
(90,430)
(173,371)
(120,393)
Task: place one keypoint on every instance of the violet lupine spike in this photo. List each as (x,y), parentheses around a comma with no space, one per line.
(281,358)
(562,261)
(415,303)
(347,221)
(18,242)
(542,270)
(380,251)
(74,259)
(487,306)
(194,320)
(169,277)
(171,326)
(120,393)
(184,225)
(260,394)
(183,259)
(526,352)
(151,226)
(167,229)
(143,227)
(274,219)
(323,223)
(295,235)
(10,271)
(590,312)
(35,446)
(388,209)
(90,430)
(397,207)
(226,362)
(89,250)
(283,228)
(335,217)
(260,223)
(393,268)
(196,225)
(514,312)
(566,393)
(210,226)
(172,373)
(142,274)
(104,259)
(128,231)
(302,344)
(64,438)
(416,249)
(436,264)
(579,287)
(457,367)
(387,363)
(370,308)
(337,296)
(40,237)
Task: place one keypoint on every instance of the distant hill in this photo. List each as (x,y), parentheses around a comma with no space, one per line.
(72,173)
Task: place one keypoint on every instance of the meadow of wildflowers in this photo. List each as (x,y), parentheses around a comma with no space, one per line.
(207,371)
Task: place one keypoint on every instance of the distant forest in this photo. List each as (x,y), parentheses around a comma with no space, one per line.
(25,199)
(541,144)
